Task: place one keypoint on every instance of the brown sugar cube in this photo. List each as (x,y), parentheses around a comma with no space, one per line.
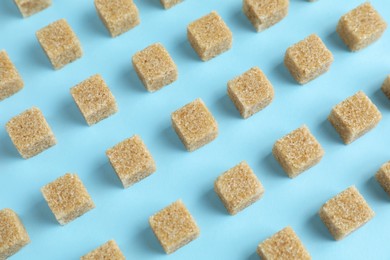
(30,7)
(383,177)
(386,87)
(265,13)
(109,251)
(345,212)
(119,16)
(209,36)
(131,160)
(60,43)
(30,133)
(283,245)
(250,92)
(155,67)
(170,3)
(361,26)
(297,151)
(174,227)
(13,234)
(94,99)
(10,80)
(308,59)
(354,117)
(238,188)
(195,125)
(67,198)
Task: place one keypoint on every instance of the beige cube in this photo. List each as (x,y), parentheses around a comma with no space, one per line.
(170,3)
(238,188)
(195,125)
(67,198)
(209,36)
(298,151)
(155,67)
(308,59)
(94,99)
(60,43)
(13,234)
(283,245)
(250,92)
(383,177)
(119,16)
(30,133)
(131,160)
(386,87)
(110,251)
(361,27)
(30,7)
(354,117)
(10,80)
(345,213)
(174,227)
(265,13)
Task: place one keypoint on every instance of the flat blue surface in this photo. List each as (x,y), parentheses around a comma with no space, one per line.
(123,214)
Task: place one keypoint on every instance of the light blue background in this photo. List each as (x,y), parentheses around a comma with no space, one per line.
(123,214)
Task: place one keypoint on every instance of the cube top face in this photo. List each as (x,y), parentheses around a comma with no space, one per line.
(174,226)
(345,212)
(109,250)
(155,67)
(386,87)
(383,177)
(361,26)
(250,91)
(30,132)
(354,117)
(30,7)
(10,80)
(119,16)
(195,124)
(67,198)
(265,13)
(60,43)
(94,99)
(170,3)
(284,245)
(209,36)
(131,160)
(238,187)
(298,151)
(308,59)
(13,235)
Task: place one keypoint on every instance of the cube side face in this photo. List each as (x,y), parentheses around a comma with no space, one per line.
(174,227)
(67,198)
(109,250)
(30,133)
(298,151)
(345,213)
(250,92)
(238,188)
(119,16)
(283,245)
(155,67)
(170,3)
(265,13)
(60,43)
(195,125)
(12,233)
(308,59)
(209,36)
(361,27)
(10,80)
(354,117)
(383,177)
(386,87)
(94,99)
(30,7)
(131,161)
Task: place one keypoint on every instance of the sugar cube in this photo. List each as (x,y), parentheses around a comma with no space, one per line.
(170,3)
(383,177)
(10,80)
(386,87)
(109,250)
(30,7)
